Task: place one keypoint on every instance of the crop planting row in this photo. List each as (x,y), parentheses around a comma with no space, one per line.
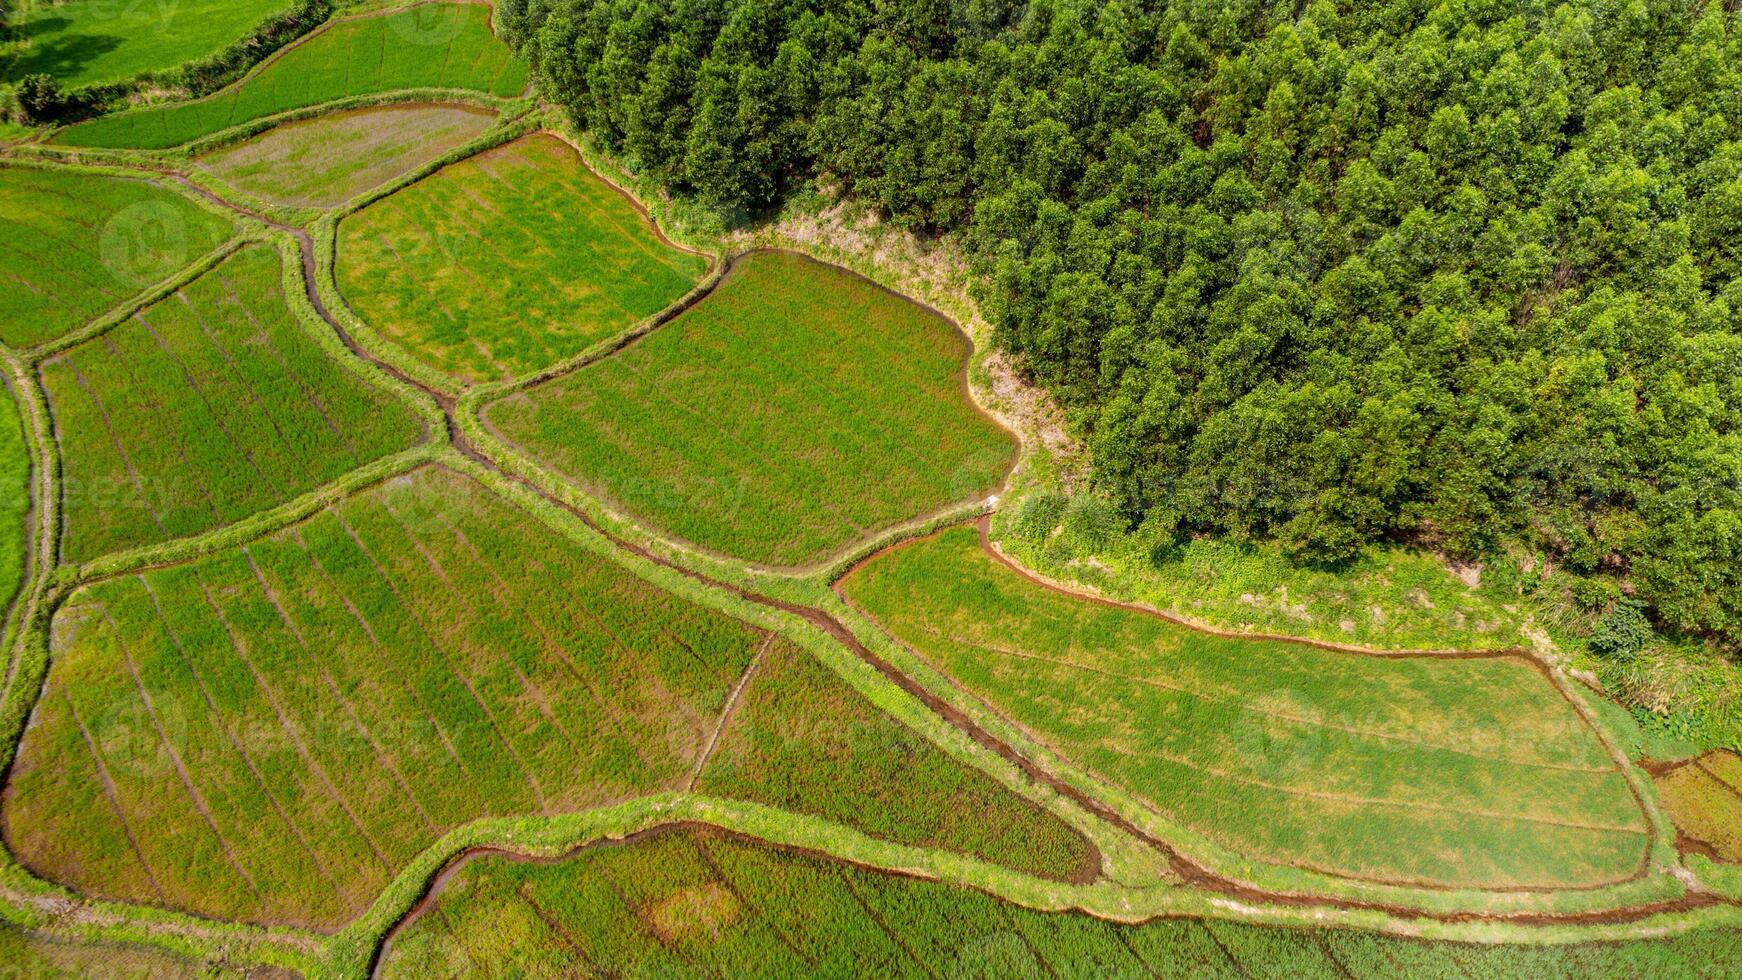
(14,496)
(271,732)
(689,904)
(209,405)
(445,46)
(1462,772)
(77,244)
(328,160)
(793,410)
(507,262)
(801,740)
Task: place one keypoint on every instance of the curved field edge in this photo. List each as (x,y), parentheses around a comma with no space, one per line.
(830,513)
(56,138)
(143,924)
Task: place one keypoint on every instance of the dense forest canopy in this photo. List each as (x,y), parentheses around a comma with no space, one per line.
(1457,273)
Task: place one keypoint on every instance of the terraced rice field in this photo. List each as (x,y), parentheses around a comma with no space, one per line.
(1442,772)
(14,497)
(77,244)
(330,159)
(208,406)
(800,739)
(30,958)
(688,904)
(436,46)
(94,42)
(270,733)
(795,409)
(1704,798)
(507,262)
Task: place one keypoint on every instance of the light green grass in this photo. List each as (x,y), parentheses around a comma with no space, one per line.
(312,710)
(94,42)
(800,739)
(328,160)
(1469,773)
(795,409)
(686,904)
(206,407)
(507,262)
(14,496)
(447,46)
(78,244)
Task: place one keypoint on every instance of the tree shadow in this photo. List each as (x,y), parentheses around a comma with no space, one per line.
(60,56)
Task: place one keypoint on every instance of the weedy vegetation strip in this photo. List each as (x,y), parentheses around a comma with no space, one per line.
(433,46)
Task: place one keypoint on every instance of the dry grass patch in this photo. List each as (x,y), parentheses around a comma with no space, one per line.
(330,159)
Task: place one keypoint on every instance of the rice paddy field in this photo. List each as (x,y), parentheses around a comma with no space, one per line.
(27,957)
(77,244)
(269,733)
(94,42)
(795,409)
(507,262)
(1441,772)
(208,406)
(1704,798)
(327,160)
(800,739)
(706,905)
(433,46)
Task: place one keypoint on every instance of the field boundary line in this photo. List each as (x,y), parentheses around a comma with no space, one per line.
(726,713)
(182,550)
(357,949)
(153,295)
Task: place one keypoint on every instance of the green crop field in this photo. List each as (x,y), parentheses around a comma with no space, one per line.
(271,732)
(507,262)
(1704,798)
(800,739)
(688,904)
(14,496)
(93,42)
(27,957)
(1469,772)
(77,244)
(793,410)
(446,46)
(328,160)
(210,405)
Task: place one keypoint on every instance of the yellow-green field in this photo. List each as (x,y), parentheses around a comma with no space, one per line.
(507,262)
(793,410)
(1444,772)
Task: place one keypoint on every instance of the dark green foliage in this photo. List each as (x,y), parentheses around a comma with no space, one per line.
(1459,274)
(1623,632)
